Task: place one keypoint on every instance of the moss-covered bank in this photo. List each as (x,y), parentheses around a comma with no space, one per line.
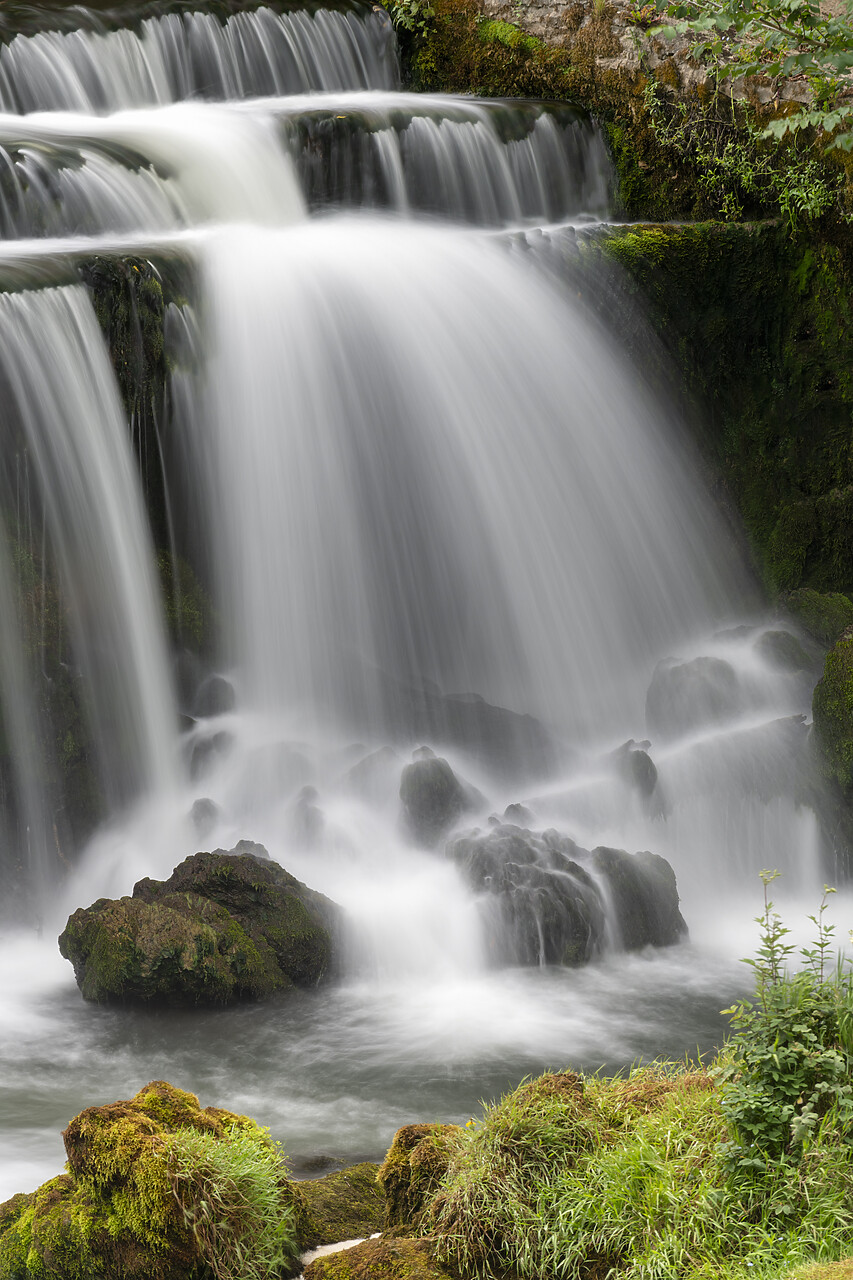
(759,325)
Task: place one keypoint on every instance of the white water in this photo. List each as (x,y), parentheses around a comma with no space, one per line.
(416,473)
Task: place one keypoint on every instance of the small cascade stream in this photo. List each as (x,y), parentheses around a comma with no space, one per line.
(432,504)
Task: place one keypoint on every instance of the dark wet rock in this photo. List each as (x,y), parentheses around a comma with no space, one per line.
(375,777)
(636,767)
(346,1205)
(307,817)
(204,815)
(644,897)
(207,750)
(225,926)
(686,696)
(781,650)
(509,744)
(543,900)
(519,815)
(542,906)
(215,697)
(116,1212)
(433,798)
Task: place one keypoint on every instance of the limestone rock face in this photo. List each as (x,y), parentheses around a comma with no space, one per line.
(225,926)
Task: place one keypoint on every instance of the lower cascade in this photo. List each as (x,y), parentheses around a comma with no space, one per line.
(351,576)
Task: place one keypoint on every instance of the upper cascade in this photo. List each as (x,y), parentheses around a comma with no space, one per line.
(182,56)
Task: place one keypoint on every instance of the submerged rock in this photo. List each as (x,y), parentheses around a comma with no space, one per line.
(783,651)
(225,926)
(145,1177)
(433,798)
(547,901)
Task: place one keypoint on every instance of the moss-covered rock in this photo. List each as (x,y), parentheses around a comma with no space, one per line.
(343,1206)
(224,927)
(759,324)
(824,616)
(416,1161)
(133,1205)
(832,708)
(398,1259)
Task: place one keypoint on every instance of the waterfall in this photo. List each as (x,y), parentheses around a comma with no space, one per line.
(407,492)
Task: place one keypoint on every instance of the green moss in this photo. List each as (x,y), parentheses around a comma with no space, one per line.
(343,1206)
(760,328)
(832,708)
(398,1259)
(187,607)
(412,1169)
(180,949)
(137,1186)
(824,617)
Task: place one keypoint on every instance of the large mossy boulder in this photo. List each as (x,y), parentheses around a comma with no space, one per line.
(156,1188)
(224,927)
(832,708)
(548,901)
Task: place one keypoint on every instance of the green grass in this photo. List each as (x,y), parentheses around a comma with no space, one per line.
(230,1195)
(742,1169)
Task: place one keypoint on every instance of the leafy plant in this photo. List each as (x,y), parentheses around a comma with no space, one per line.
(777,38)
(792,1052)
(736,168)
(410,15)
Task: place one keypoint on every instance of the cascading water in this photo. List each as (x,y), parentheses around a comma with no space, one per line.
(431,502)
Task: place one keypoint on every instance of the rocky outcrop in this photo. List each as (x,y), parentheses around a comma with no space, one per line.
(225,926)
(416,1161)
(433,798)
(644,897)
(548,901)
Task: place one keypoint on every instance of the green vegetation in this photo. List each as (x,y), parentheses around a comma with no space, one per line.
(832,708)
(157,1189)
(676,1172)
(771,38)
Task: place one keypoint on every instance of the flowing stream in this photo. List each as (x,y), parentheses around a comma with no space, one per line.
(432,504)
